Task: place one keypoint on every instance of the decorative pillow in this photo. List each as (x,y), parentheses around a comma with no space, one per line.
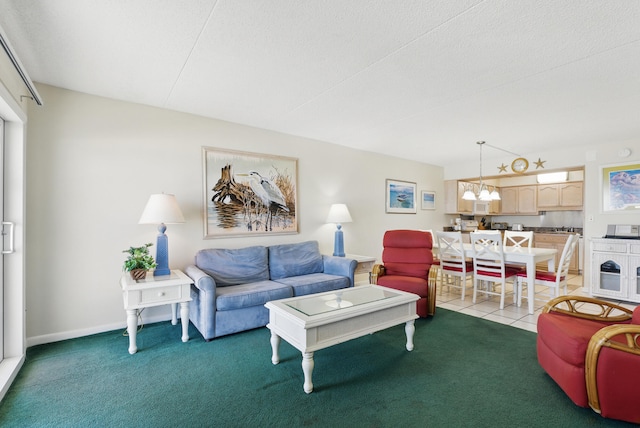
(295,259)
(234,266)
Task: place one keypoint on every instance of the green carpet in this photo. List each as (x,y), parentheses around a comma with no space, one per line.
(463,372)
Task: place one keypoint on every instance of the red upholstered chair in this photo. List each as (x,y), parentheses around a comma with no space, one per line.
(591,349)
(406,265)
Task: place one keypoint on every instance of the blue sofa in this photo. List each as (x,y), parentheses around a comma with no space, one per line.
(231,286)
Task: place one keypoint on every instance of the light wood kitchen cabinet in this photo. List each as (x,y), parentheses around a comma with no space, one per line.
(556,241)
(451,196)
(453,203)
(519,200)
(560,196)
(464,206)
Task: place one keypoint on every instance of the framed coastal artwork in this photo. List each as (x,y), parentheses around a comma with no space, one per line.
(248,194)
(401,197)
(621,188)
(428,200)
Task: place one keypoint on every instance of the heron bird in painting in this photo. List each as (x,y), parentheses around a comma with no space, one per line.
(269,194)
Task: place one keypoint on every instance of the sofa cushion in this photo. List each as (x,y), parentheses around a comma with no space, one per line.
(234,266)
(315,283)
(253,294)
(289,260)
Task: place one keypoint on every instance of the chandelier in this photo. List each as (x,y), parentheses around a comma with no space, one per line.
(483,190)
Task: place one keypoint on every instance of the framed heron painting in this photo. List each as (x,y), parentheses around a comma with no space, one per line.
(248,194)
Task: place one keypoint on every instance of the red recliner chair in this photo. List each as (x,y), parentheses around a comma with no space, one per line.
(591,349)
(406,263)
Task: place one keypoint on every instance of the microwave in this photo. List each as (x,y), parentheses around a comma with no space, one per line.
(481,207)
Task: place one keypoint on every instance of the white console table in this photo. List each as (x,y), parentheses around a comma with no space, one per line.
(170,289)
(615,268)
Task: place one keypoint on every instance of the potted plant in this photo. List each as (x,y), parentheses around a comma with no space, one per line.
(139,261)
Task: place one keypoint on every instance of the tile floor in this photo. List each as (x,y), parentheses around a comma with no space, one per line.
(488,307)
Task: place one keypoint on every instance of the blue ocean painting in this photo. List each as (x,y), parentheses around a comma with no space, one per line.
(400,196)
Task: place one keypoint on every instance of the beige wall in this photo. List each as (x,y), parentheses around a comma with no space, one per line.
(93,162)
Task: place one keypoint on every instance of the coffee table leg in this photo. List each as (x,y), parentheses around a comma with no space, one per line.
(275,344)
(307,369)
(410,328)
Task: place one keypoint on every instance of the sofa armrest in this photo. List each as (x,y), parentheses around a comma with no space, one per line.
(201,280)
(342,266)
(588,308)
(376,272)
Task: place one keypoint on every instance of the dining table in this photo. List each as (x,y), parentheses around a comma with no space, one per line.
(526,256)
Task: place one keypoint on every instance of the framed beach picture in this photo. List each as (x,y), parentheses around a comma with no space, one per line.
(248,194)
(621,188)
(428,200)
(401,197)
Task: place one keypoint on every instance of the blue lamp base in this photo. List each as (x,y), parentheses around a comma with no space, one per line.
(162,253)
(338,243)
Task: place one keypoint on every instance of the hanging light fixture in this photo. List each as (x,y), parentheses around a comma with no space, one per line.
(483,190)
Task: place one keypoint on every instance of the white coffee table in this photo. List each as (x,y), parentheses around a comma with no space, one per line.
(318,321)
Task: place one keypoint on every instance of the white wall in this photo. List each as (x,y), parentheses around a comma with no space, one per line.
(93,162)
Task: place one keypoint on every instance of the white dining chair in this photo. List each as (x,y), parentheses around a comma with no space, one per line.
(552,280)
(454,267)
(489,268)
(518,239)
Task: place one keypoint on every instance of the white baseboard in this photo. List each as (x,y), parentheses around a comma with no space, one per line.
(73,334)
(9,368)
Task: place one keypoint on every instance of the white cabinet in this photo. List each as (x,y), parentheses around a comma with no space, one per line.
(615,269)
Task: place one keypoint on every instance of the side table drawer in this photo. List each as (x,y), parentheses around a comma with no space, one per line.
(364,267)
(159,294)
(609,247)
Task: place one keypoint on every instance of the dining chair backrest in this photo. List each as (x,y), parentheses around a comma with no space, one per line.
(488,254)
(519,239)
(451,251)
(565,259)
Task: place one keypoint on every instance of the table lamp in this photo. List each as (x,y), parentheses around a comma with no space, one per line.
(161,209)
(339,213)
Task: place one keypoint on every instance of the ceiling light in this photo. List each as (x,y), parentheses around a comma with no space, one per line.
(553,177)
(483,190)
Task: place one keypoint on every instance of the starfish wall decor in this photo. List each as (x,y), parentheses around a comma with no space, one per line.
(539,163)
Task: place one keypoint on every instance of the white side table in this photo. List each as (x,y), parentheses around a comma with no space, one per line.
(364,267)
(155,291)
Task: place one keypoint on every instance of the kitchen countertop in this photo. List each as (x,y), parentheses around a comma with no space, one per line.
(549,230)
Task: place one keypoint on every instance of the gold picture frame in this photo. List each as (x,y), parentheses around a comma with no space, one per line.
(621,188)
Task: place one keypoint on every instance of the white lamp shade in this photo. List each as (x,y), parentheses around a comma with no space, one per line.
(339,213)
(468,196)
(484,195)
(161,208)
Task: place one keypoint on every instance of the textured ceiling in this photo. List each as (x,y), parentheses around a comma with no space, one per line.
(421,79)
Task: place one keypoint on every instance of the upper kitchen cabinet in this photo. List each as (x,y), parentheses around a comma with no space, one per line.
(453,202)
(519,200)
(560,196)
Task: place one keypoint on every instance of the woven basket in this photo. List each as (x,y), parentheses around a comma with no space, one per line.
(138,274)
